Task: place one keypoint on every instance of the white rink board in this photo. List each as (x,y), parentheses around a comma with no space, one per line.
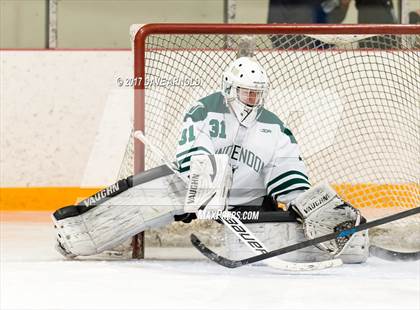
(55,105)
(63,114)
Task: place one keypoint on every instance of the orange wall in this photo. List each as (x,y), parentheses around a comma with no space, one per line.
(360,195)
(41,198)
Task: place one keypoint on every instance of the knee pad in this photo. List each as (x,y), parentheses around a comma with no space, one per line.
(275,235)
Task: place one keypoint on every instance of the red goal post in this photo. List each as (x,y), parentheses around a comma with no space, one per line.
(324,47)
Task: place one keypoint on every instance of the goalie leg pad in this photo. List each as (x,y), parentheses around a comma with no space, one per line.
(144,206)
(278,235)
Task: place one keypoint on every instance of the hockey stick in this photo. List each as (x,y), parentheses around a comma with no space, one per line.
(339,234)
(240,230)
(247,237)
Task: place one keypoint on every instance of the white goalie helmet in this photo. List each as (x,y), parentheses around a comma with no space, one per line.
(245,87)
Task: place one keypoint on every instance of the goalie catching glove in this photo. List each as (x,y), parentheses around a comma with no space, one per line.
(322,212)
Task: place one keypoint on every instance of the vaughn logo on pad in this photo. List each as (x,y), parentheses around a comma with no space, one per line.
(192,192)
(106,192)
(315,204)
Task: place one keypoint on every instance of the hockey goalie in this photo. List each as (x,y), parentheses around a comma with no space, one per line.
(232,155)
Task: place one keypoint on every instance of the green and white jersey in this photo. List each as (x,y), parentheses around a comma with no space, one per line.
(264,157)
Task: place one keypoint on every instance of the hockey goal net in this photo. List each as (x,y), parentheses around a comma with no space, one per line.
(349,94)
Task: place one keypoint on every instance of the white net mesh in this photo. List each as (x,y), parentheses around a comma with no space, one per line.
(351,101)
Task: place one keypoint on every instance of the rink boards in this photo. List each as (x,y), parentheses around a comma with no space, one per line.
(64,135)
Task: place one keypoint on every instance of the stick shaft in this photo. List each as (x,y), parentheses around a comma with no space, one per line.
(334,235)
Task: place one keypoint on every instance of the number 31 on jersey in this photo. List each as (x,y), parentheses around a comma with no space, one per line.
(217,129)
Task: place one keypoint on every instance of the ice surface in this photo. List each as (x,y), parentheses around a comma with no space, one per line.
(34,276)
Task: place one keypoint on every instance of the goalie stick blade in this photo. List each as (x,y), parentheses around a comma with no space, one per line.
(347,232)
(275,263)
(390,255)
